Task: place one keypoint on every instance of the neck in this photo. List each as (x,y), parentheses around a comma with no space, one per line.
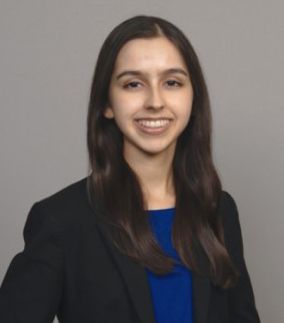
(155,175)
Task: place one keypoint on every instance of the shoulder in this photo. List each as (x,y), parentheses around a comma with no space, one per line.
(231,223)
(67,206)
(66,197)
(228,209)
(227,202)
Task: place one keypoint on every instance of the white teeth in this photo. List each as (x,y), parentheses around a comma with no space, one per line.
(153,124)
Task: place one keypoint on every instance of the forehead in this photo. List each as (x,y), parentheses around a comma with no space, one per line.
(144,53)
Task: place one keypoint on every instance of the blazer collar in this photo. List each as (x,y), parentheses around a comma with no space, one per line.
(135,278)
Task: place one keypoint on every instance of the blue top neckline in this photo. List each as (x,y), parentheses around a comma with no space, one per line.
(161,210)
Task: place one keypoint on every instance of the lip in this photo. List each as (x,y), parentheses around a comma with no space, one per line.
(152,131)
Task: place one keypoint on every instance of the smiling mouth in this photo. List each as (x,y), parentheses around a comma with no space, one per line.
(158,123)
(153,127)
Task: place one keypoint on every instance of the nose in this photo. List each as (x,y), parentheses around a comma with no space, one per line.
(154,98)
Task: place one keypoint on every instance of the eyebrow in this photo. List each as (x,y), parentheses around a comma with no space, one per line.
(139,73)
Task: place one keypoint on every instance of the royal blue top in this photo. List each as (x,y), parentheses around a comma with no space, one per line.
(171,293)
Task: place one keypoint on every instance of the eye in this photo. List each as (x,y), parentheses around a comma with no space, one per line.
(173,83)
(131,85)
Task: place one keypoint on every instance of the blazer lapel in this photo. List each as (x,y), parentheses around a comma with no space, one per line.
(135,278)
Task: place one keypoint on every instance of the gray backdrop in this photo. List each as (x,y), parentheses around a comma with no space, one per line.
(48,51)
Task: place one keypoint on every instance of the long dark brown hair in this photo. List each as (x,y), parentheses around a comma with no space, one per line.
(115,190)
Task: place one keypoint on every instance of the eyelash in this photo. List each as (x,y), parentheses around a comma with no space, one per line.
(135,82)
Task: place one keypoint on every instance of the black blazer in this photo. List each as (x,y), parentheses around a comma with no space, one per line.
(70,268)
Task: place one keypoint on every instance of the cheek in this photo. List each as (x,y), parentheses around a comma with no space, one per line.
(131,102)
(183,106)
(126,102)
(123,110)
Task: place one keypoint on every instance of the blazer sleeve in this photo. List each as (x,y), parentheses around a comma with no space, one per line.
(31,289)
(241,299)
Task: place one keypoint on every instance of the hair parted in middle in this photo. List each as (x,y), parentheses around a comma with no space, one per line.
(114,189)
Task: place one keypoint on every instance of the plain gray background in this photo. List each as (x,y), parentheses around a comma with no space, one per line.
(48,52)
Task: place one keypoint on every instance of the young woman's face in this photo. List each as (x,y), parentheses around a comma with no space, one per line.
(150,96)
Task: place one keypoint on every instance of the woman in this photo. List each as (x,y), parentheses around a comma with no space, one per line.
(149,235)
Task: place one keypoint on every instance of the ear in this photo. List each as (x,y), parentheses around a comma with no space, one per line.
(108,113)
